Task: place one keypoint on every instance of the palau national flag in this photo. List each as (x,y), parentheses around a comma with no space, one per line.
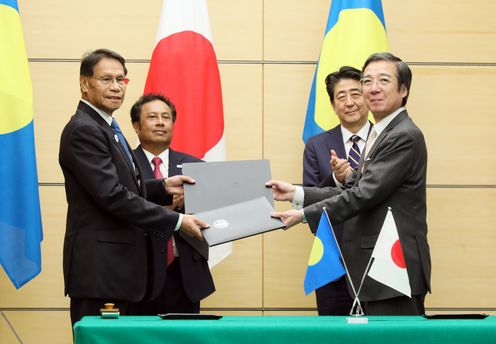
(355,30)
(20,218)
(325,264)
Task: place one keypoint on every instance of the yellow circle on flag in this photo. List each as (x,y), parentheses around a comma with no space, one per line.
(317,252)
(16,94)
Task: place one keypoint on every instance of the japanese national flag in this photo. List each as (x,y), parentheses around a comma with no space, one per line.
(184,68)
(389,266)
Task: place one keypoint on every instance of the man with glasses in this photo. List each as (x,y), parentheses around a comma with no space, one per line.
(108,217)
(391,174)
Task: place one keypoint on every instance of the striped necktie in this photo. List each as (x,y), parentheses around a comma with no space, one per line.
(158,175)
(354,153)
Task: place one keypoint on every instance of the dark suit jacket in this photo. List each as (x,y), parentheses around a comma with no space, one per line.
(317,169)
(107,216)
(394,175)
(317,155)
(197,280)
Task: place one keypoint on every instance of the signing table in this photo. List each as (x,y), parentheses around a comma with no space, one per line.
(284,330)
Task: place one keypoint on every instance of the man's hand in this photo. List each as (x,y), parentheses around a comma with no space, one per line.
(340,167)
(282,191)
(289,217)
(177,202)
(174,185)
(192,226)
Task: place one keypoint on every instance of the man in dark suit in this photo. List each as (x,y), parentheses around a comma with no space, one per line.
(108,217)
(179,286)
(391,174)
(345,94)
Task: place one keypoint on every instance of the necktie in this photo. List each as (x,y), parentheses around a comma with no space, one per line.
(354,153)
(370,141)
(158,175)
(121,139)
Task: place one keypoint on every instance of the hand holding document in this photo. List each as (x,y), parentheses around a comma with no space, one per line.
(232,198)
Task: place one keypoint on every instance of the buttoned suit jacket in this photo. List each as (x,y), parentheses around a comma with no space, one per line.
(195,273)
(392,175)
(107,216)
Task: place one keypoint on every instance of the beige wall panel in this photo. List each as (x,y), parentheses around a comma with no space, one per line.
(443,30)
(38,327)
(242,98)
(286,90)
(462,240)
(236,29)
(293,29)
(55,94)
(285,262)
(238,278)
(47,289)
(65,29)
(450,105)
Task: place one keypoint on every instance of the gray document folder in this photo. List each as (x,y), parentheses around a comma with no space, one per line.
(231,197)
(223,183)
(239,221)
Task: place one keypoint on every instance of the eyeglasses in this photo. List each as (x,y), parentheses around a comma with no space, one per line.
(369,82)
(108,80)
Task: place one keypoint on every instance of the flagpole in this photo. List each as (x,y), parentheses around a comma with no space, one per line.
(359,308)
(367,268)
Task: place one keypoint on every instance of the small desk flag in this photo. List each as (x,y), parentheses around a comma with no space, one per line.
(325,264)
(389,265)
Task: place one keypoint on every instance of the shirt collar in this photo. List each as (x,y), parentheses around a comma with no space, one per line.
(383,123)
(106,117)
(363,132)
(164,155)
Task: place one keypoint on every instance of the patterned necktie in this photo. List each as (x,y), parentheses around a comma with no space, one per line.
(158,175)
(120,139)
(370,141)
(354,153)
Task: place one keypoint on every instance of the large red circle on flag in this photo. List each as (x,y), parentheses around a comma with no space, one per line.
(397,255)
(184,68)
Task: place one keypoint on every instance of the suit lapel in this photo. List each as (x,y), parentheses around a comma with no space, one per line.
(146,168)
(335,141)
(112,137)
(401,116)
(174,161)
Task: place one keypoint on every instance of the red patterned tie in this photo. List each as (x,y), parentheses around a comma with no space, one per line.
(158,175)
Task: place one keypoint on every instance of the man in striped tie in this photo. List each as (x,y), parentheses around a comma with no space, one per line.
(344,141)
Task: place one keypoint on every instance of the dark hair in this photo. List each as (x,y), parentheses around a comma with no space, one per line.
(404,74)
(90,60)
(345,72)
(146,98)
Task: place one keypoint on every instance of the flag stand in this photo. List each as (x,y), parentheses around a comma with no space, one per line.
(358,316)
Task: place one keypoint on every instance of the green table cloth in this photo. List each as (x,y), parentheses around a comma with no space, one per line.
(284,329)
